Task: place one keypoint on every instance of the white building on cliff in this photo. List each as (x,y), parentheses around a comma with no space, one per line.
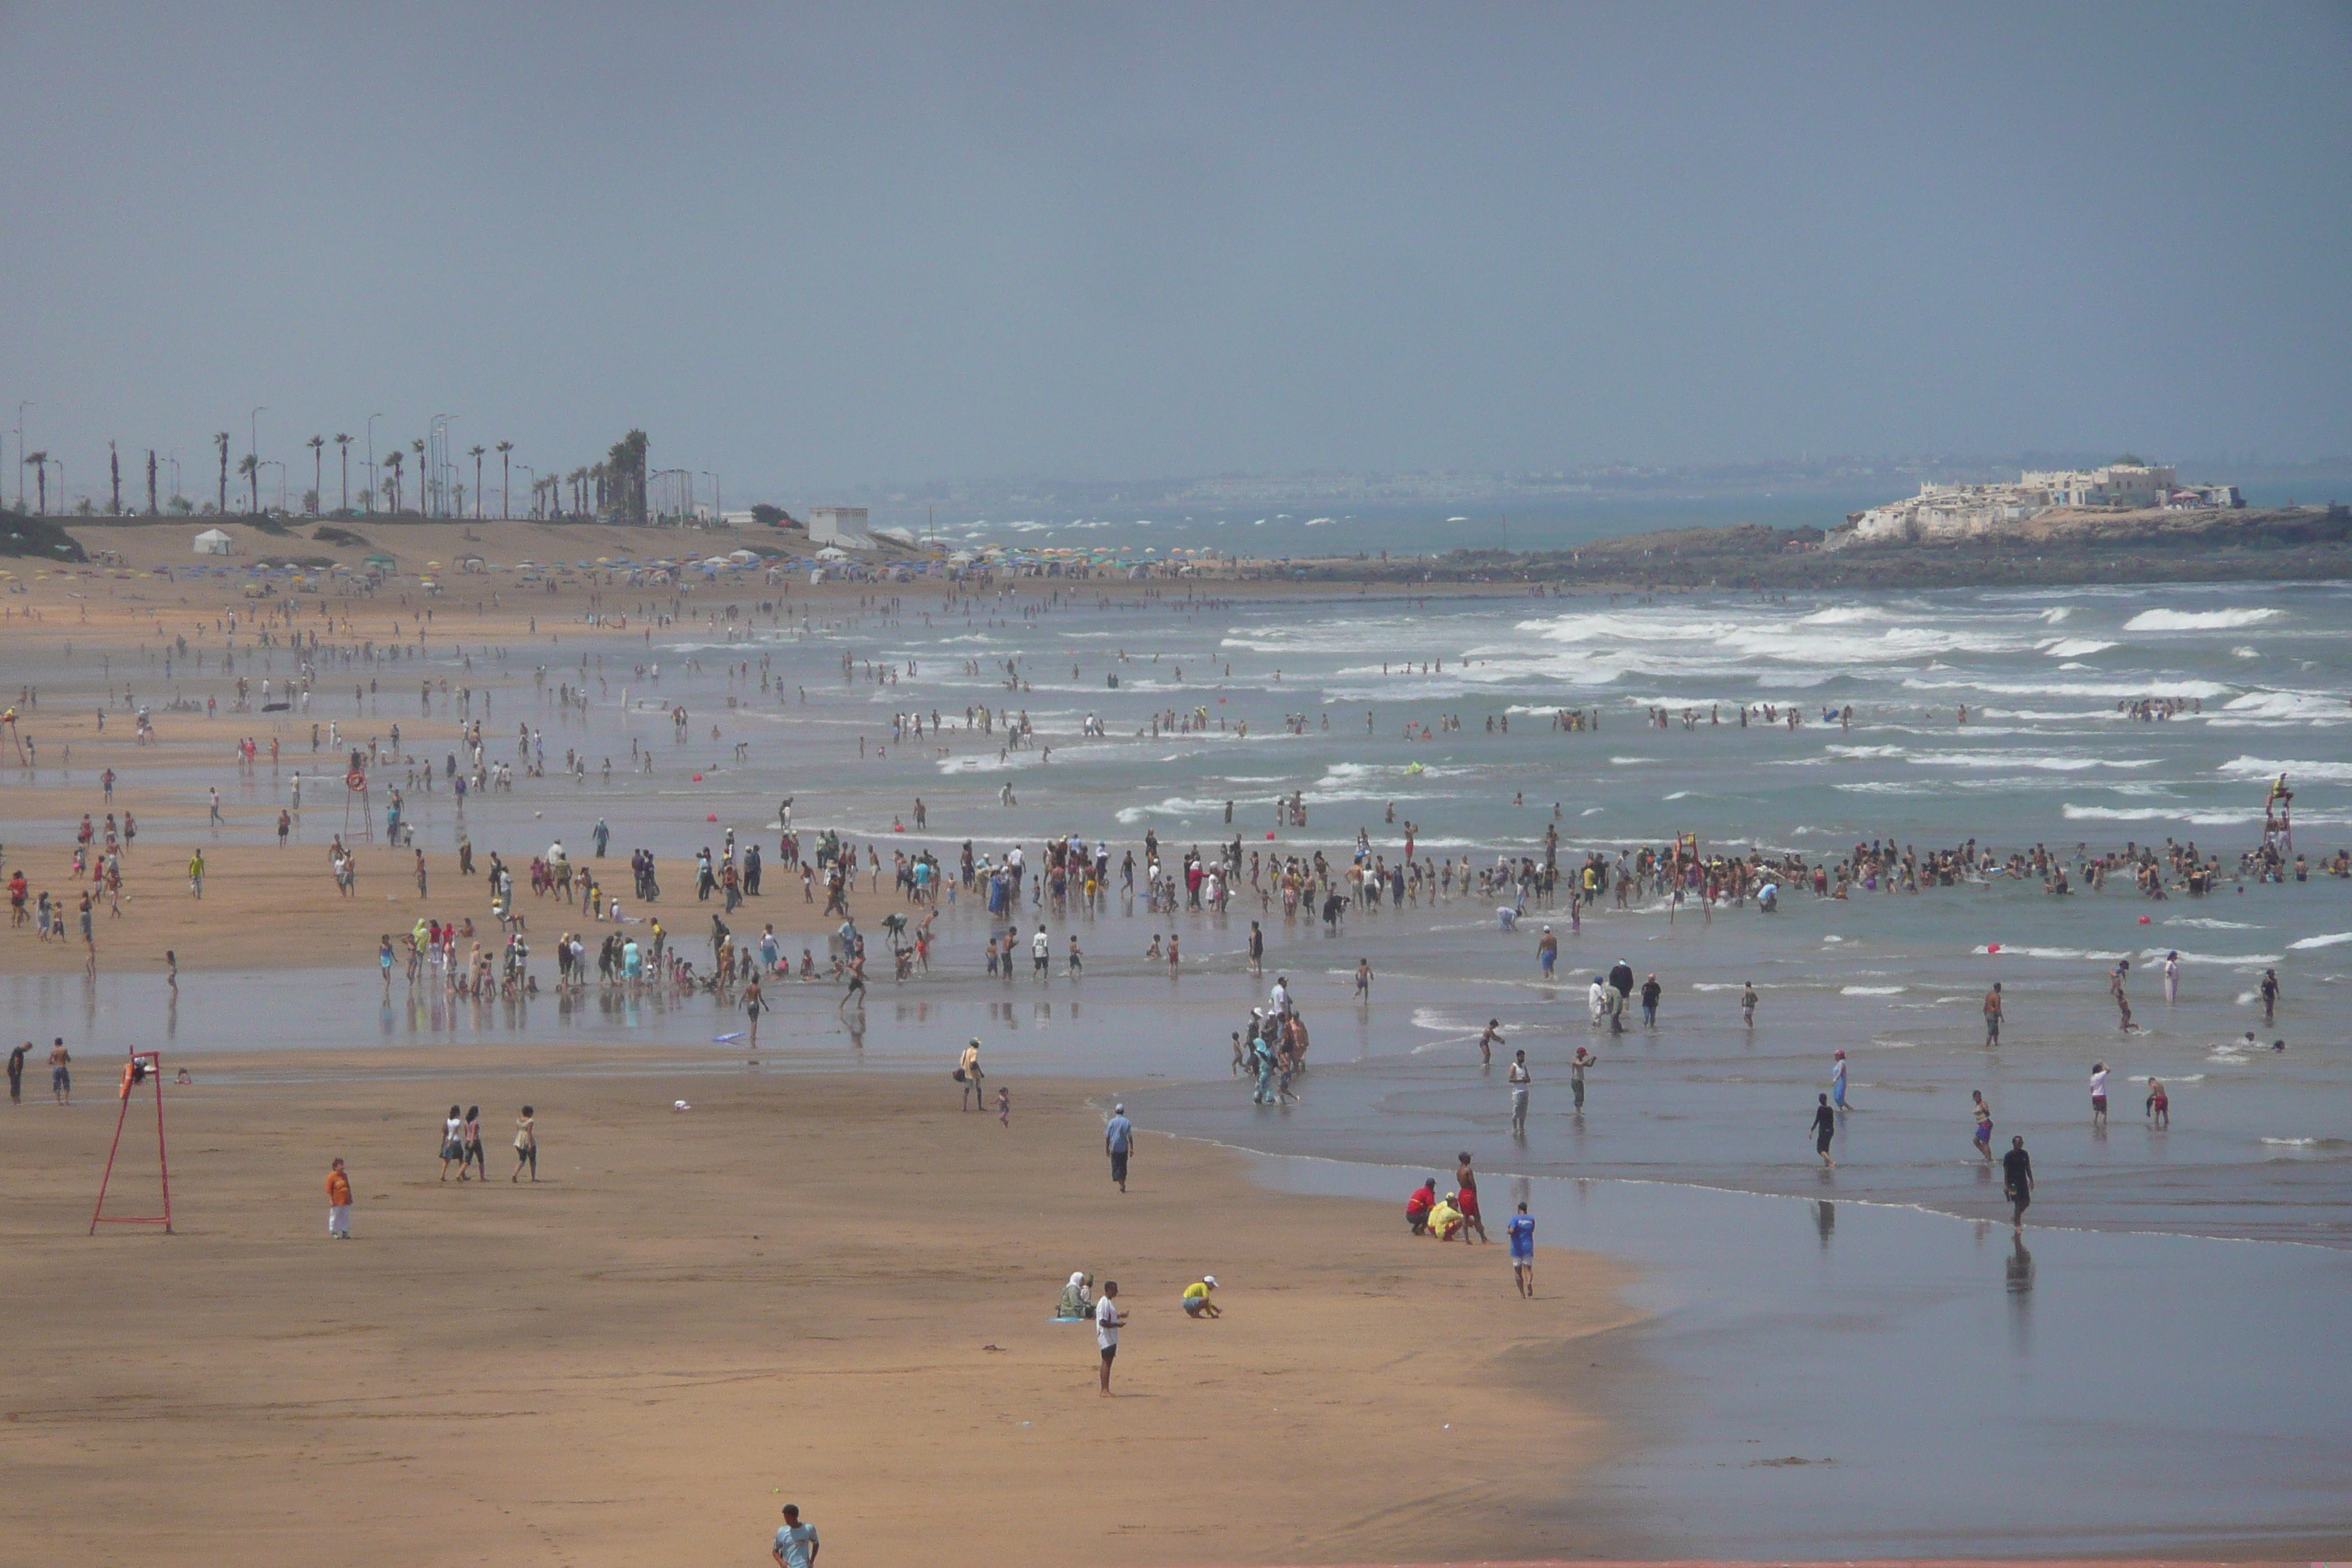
(1943,513)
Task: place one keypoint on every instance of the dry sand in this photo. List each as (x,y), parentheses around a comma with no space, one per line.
(831,1291)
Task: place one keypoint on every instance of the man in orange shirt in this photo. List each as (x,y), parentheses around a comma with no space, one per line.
(339,1203)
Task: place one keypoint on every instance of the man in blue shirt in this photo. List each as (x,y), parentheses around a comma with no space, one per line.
(1118,1142)
(1522,1231)
(796,1543)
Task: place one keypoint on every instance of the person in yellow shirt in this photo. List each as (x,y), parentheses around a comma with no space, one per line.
(1445,1219)
(1196,1298)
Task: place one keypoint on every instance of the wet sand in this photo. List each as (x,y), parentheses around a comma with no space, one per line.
(829,1289)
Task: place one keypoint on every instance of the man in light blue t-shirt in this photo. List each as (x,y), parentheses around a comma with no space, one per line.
(1118,1142)
(796,1543)
(1522,1231)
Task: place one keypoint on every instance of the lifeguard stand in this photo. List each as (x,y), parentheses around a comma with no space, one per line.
(355,792)
(15,740)
(142,1066)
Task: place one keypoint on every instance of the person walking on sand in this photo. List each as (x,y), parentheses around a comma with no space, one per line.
(2017,1181)
(1824,1129)
(2098,1094)
(2115,978)
(472,1136)
(1993,1014)
(526,1144)
(1982,1114)
(60,1072)
(1108,1319)
(1118,1142)
(1520,1079)
(968,1074)
(453,1143)
(1521,1231)
(339,1202)
(1005,1109)
(796,1543)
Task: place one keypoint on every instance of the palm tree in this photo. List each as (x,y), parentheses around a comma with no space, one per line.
(248,467)
(393,462)
(625,466)
(114,466)
(151,507)
(221,440)
(39,463)
(476,452)
(424,486)
(318,444)
(343,444)
(506,479)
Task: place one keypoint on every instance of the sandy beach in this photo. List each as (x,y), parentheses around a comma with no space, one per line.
(835,1290)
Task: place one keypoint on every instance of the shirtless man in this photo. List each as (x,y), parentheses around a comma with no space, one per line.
(968,1070)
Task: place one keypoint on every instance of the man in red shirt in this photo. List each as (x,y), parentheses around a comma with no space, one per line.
(339,1203)
(1417,1208)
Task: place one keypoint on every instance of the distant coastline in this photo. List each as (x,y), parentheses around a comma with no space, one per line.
(2279,544)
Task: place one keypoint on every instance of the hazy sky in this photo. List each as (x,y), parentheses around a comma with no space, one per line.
(836,244)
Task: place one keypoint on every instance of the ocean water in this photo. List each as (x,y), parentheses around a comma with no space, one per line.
(2259,1144)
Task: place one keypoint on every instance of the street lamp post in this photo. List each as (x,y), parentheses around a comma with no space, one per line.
(21,406)
(371,468)
(533,491)
(253,450)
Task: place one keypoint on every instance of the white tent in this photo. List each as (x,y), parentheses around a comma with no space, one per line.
(831,553)
(213,542)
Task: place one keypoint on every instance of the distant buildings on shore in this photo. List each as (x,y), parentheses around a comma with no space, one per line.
(1942,512)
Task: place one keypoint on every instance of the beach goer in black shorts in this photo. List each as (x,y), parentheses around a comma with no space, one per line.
(2017,1180)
